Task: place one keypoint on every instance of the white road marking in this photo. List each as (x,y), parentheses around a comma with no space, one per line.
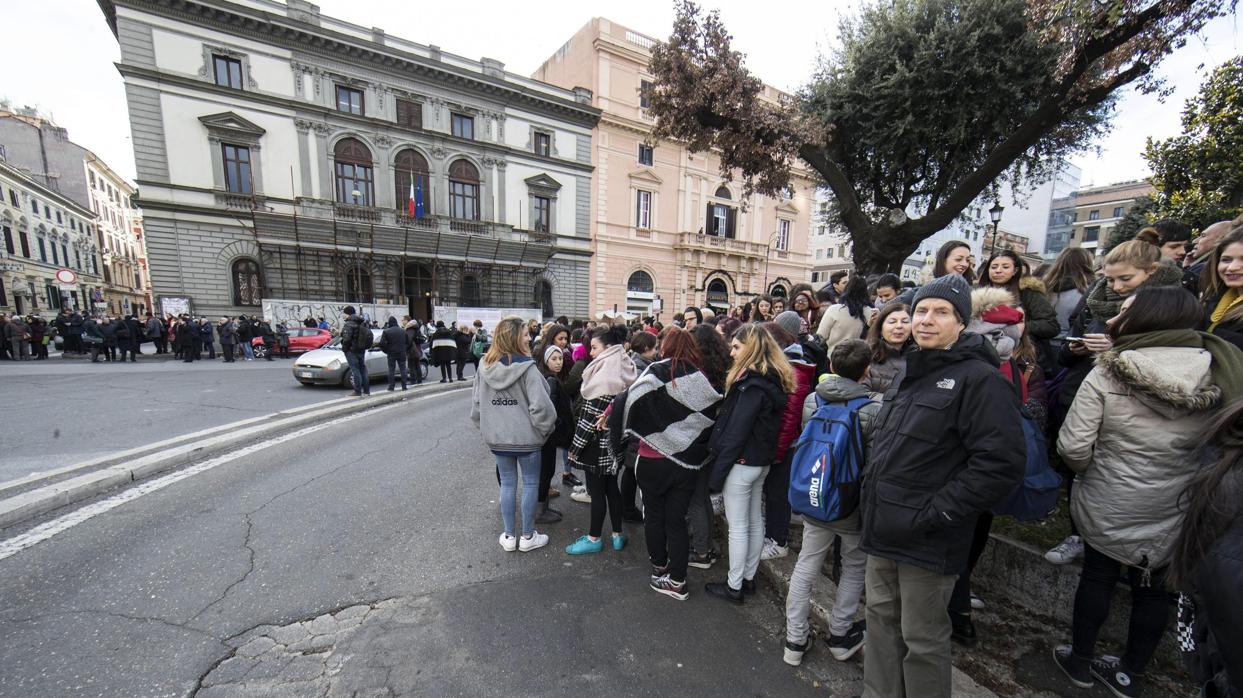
(59,525)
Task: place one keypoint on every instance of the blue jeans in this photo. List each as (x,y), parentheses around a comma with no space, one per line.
(248,350)
(508,466)
(358,366)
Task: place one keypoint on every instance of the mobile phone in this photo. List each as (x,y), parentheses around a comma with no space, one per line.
(1074,340)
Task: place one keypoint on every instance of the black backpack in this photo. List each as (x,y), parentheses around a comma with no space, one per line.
(362,339)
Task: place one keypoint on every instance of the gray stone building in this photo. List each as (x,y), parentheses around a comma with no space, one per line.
(284,154)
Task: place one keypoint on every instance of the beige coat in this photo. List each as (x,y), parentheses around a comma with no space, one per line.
(1130,435)
(838,325)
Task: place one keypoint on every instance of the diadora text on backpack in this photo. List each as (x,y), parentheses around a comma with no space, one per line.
(827,470)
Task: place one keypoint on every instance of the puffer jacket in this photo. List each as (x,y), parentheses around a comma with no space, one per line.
(883,376)
(948,447)
(838,324)
(791,419)
(1128,437)
(1040,316)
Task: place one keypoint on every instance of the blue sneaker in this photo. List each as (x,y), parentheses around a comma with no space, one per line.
(585,546)
(619,542)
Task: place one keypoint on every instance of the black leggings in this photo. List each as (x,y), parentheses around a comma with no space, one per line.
(446,372)
(667,490)
(547,467)
(960,600)
(604,496)
(1150,608)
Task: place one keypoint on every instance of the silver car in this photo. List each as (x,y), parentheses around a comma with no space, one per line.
(327,365)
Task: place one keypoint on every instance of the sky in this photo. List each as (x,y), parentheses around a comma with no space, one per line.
(74,79)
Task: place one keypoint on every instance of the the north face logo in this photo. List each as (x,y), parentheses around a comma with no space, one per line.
(946,384)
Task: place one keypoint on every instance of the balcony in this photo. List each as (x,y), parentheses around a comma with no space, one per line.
(713,243)
(361,214)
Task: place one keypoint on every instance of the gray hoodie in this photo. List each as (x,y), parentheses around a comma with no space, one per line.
(511,406)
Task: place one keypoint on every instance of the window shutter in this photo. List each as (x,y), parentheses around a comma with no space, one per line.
(731,217)
(708,222)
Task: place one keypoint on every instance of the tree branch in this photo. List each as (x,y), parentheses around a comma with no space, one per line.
(847,200)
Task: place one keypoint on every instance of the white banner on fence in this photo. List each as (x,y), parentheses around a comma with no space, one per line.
(488,316)
(292,313)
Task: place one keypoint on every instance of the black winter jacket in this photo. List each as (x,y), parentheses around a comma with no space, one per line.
(948,446)
(747,426)
(1230,331)
(353,325)
(1082,321)
(1218,630)
(393,341)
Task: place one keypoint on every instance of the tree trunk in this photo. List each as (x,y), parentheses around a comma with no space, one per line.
(876,252)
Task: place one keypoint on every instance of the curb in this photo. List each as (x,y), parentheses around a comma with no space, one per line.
(778,572)
(136,464)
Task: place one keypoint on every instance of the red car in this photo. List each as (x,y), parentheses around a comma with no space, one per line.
(301,340)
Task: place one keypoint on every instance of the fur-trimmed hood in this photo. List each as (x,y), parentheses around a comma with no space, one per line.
(1032,283)
(987,298)
(1170,380)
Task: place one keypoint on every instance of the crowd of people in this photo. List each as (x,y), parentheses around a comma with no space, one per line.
(934,406)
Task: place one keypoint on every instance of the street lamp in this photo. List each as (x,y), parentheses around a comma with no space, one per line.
(995,214)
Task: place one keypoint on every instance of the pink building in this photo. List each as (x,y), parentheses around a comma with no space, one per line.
(667,231)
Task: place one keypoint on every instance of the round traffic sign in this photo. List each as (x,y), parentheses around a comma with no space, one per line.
(66,276)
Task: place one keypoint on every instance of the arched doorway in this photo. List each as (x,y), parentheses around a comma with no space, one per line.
(778,291)
(419,291)
(358,285)
(640,291)
(543,298)
(718,294)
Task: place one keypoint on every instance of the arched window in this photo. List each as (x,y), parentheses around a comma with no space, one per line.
(411,181)
(641,281)
(418,281)
(722,192)
(543,297)
(718,294)
(463,190)
(358,285)
(247,282)
(777,291)
(354,172)
(469,293)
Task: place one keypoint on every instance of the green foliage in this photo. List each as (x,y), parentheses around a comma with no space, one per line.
(1199,174)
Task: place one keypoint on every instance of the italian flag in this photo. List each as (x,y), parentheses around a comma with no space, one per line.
(410,203)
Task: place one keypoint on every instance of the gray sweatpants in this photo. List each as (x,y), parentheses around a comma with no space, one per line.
(908,652)
(817,542)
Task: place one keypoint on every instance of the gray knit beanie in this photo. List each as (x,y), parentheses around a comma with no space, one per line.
(790,322)
(952,288)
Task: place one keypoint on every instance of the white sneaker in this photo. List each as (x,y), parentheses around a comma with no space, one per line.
(579,488)
(977,604)
(581,497)
(537,540)
(508,543)
(1066,551)
(773,551)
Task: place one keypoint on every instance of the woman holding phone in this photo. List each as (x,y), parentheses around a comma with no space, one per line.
(1128,267)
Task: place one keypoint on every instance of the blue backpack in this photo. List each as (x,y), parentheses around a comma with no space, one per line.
(1036,497)
(827,470)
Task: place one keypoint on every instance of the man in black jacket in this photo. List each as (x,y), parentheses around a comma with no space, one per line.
(351,340)
(394,344)
(948,446)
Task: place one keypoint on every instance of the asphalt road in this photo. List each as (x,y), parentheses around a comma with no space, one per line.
(218,585)
(62,411)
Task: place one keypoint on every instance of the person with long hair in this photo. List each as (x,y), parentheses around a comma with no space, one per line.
(1128,267)
(1206,565)
(745,443)
(889,338)
(714,364)
(954,257)
(559,336)
(850,317)
(551,362)
(1130,437)
(808,310)
(1006,271)
(778,306)
(611,371)
(777,482)
(669,410)
(515,415)
(1066,282)
(1223,288)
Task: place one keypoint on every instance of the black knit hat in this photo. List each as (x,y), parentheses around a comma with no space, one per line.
(952,288)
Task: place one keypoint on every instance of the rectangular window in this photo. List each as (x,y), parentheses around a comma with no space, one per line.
(829,253)
(34,300)
(137,280)
(815,277)
(720,219)
(237,174)
(543,144)
(1117,211)
(541,216)
(24,239)
(643,209)
(55,255)
(73,224)
(349,100)
(64,253)
(34,205)
(53,295)
(464,200)
(1091,233)
(409,114)
(77,259)
(13,197)
(8,240)
(645,154)
(1094,215)
(819,254)
(58,216)
(42,250)
(464,126)
(645,94)
(47,212)
(355,178)
(783,235)
(92,174)
(228,71)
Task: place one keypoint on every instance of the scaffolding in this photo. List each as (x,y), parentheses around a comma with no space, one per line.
(358,254)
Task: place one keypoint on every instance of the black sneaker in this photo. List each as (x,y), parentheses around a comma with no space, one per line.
(722,590)
(1076,668)
(571,479)
(748,587)
(794,653)
(668,587)
(703,561)
(843,647)
(658,572)
(1116,678)
(962,630)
